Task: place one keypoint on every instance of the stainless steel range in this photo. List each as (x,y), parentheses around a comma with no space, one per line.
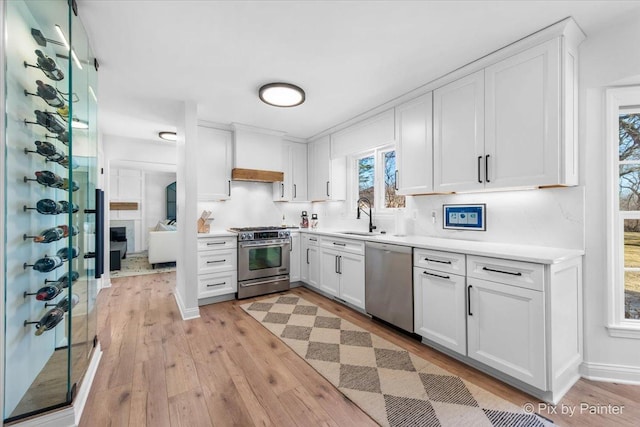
(263,260)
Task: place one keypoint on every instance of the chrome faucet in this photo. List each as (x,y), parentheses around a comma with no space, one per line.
(358,209)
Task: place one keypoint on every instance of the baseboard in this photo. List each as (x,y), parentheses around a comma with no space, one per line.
(186,313)
(83,394)
(610,373)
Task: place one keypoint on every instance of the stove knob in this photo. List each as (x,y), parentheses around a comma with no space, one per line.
(243,236)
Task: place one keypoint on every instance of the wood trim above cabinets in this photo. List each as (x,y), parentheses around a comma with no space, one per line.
(239,174)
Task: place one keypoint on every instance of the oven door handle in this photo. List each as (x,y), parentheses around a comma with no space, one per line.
(262,245)
(263,282)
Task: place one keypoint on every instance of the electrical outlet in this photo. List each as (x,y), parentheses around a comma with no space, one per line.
(434,216)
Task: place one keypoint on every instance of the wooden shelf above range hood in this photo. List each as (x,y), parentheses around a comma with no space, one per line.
(238,174)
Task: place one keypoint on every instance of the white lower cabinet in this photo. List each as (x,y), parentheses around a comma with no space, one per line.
(329,276)
(342,270)
(439,315)
(217,266)
(294,267)
(506,329)
(310,261)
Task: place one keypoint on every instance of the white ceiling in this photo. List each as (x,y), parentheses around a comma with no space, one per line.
(349,56)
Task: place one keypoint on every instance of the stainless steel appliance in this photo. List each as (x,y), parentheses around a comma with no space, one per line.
(389,283)
(263,260)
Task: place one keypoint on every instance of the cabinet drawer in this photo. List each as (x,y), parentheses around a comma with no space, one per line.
(223,283)
(523,274)
(447,262)
(210,243)
(312,240)
(346,245)
(213,261)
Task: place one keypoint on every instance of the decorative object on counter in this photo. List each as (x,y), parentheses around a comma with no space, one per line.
(47,65)
(392,385)
(51,234)
(204,222)
(284,221)
(305,220)
(314,221)
(49,321)
(65,252)
(46,264)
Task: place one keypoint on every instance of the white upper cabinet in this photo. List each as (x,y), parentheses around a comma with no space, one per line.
(414,146)
(327,177)
(282,189)
(214,164)
(458,124)
(299,172)
(523,119)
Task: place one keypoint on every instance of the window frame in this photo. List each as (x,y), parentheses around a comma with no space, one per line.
(378,153)
(616,323)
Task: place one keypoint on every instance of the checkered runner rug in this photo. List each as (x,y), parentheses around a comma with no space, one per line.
(392,385)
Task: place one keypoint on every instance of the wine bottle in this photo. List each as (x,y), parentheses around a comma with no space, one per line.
(46,264)
(48,150)
(63,281)
(51,234)
(65,185)
(47,207)
(64,253)
(67,163)
(49,94)
(64,302)
(49,121)
(65,207)
(48,292)
(49,66)
(49,321)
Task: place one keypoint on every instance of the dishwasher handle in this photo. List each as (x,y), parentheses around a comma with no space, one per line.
(388,247)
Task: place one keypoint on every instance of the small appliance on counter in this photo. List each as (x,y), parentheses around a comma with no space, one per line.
(263,260)
(314,221)
(305,220)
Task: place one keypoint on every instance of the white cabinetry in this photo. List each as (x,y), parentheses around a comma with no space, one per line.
(294,186)
(327,177)
(217,266)
(342,269)
(439,298)
(294,269)
(414,146)
(458,142)
(214,164)
(310,261)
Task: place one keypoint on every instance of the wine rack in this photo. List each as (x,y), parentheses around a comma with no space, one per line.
(51,175)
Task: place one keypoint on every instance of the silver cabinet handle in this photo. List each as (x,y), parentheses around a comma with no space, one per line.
(282,189)
(215,243)
(339,244)
(436,275)
(328,195)
(503,272)
(216,284)
(216,261)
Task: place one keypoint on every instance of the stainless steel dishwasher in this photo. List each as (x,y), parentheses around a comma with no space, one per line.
(389,283)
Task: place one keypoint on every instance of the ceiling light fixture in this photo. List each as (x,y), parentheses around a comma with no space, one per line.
(168,136)
(281,94)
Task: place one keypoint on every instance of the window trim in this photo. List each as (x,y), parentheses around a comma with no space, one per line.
(616,324)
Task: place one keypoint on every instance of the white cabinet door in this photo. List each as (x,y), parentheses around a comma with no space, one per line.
(313,255)
(329,276)
(458,129)
(523,127)
(327,177)
(282,189)
(214,164)
(304,258)
(505,326)
(414,146)
(294,269)
(351,272)
(299,166)
(440,303)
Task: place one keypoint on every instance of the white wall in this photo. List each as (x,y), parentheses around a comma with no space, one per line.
(155,199)
(606,59)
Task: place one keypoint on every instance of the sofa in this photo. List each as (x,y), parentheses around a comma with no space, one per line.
(163,247)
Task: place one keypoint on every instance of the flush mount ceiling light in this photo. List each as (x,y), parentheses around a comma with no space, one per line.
(168,136)
(281,94)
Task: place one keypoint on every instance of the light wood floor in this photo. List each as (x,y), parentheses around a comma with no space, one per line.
(226,369)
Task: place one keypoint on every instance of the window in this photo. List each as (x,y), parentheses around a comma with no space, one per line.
(623,130)
(376,178)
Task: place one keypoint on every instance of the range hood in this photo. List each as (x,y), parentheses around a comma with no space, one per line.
(256,175)
(258,154)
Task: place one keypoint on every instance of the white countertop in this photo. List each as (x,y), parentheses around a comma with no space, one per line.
(536,254)
(218,233)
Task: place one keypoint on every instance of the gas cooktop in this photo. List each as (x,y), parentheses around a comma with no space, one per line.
(267,227)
